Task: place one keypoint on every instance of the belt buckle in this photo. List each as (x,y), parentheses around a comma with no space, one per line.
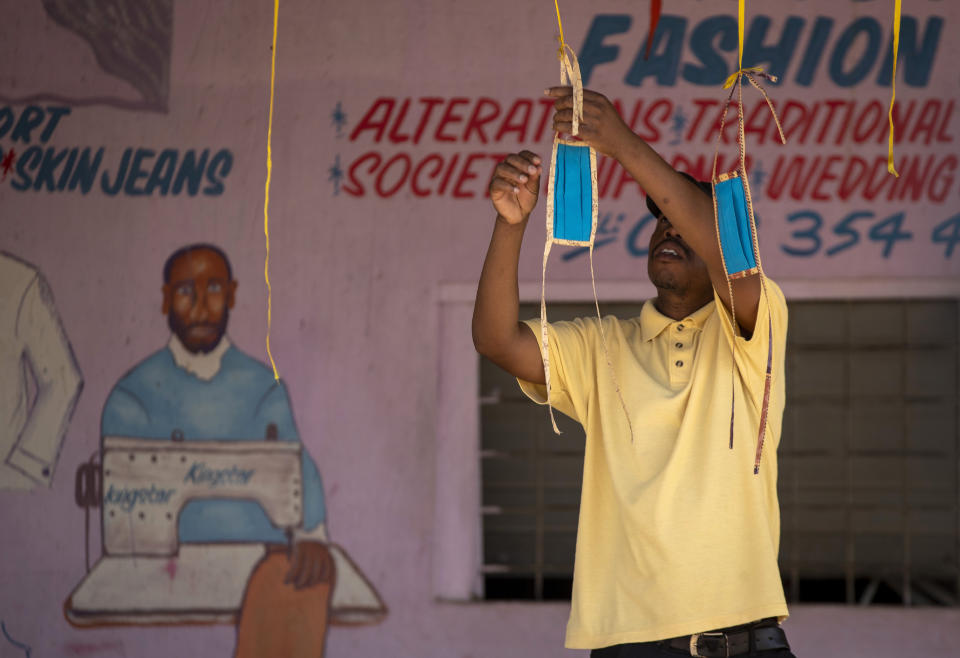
(695,645)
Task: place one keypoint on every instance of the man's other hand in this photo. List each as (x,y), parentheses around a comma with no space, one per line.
(515,186)
(310,564)
(601,127)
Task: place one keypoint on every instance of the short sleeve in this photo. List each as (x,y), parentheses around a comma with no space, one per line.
(752,354)
(572,365)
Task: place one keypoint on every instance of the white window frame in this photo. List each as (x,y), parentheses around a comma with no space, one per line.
(457,532)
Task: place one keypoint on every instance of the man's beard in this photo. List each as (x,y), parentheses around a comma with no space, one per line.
(180,331)
(665,280)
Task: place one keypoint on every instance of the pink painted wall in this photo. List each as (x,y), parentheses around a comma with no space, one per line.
(357,275)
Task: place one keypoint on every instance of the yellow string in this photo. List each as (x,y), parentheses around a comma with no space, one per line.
(560,24)
(741,12)
(893,84)
(266,195)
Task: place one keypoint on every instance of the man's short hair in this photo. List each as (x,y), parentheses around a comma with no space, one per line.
(703,185)
(189,249)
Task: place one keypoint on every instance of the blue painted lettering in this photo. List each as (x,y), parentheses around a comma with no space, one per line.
(914,62)
(816,46)
(774,58)
(112,189)
(191,172)
(868,27)
(162,173)
(51,160)
(663,62)
(29,160)
(223,161)
(137,172)
(713,68)
(85,174)
(127,499)
(594,51)
(200,473)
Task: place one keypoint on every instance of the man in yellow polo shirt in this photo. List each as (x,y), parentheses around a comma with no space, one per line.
(678,538)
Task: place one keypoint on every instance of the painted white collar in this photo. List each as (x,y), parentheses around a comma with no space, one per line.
(203,366)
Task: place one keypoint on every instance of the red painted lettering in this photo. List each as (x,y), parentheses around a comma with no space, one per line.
(395,136)
(354,187)
(373,120)
(387,192)
(465,175)
(478,119)
(516,121)
(415,179)
(449,117)
(428,105)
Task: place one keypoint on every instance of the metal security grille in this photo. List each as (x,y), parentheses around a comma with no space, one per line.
(869,462)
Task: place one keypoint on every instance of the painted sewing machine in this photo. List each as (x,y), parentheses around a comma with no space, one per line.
(146,577)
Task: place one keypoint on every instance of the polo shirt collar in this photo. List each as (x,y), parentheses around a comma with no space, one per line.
(653,322)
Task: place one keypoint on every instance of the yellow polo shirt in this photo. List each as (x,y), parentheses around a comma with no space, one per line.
(676,533)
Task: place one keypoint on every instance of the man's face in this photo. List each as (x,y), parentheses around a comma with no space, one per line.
(197,299)
(672,264)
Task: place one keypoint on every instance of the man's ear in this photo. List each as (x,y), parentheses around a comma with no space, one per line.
(231,293)
(167,299)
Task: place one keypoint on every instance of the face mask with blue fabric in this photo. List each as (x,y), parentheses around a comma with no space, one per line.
(736,229)
(571,209)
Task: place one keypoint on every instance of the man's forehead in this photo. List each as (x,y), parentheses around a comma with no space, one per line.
(199,263)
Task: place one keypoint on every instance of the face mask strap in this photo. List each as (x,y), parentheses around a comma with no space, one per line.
(740,185)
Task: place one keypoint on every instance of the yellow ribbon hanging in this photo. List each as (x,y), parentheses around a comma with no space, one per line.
(560,51)
(741,14)
(893,84)
(266,194)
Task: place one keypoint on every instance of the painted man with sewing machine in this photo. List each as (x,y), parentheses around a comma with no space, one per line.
(200,387)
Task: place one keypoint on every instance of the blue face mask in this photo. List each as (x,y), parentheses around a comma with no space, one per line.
(572,194)
(572,204)
(737,233)
(733,223)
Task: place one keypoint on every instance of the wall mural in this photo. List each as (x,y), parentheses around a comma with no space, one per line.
(131,39)
(39,375)
(212,510)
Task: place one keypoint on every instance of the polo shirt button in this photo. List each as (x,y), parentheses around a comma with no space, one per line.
(679,364)
(678,345)
(679,327)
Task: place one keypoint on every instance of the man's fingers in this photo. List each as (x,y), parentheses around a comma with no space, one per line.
(594,97)
(558,92)
(510,173)
(500,187)
(565,127)
(532,157)
(524,167)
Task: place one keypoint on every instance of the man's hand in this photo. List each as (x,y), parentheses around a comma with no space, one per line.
(515,186)
(601,126)
(310,564)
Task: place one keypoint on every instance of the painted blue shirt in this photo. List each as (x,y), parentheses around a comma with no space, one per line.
(157,397)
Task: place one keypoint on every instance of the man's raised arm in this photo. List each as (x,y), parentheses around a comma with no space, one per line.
(689,211)
(497,332)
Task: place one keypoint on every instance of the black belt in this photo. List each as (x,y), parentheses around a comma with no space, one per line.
(764,635)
